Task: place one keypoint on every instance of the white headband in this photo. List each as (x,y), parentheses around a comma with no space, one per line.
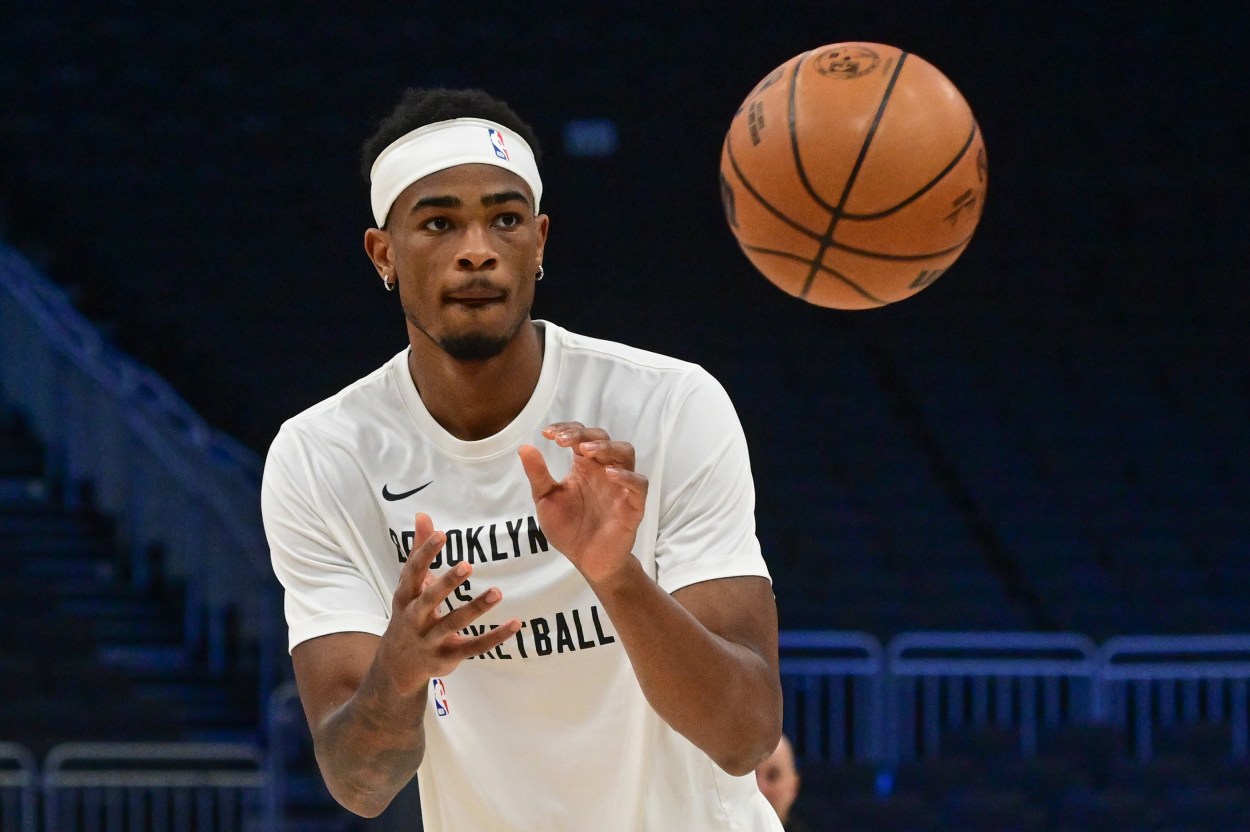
(442,145)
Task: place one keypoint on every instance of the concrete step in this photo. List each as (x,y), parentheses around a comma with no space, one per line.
(22,493)
(306,793)
(18,459)
(124,619)
(74,564)
(223,734)
(333,820)
(43,520)
(135,631)
(60,547)
(133,657)
(206,694)
(120,605)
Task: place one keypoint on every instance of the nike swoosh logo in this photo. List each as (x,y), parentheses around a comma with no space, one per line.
(387,495)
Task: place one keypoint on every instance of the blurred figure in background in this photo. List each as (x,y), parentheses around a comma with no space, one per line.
(779,780)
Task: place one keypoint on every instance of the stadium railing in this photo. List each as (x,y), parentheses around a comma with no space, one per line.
(848,700)
(19,783)
(831,685)
(150,460)
(151,787)
(285,730)
(1149,684)
(1027,684)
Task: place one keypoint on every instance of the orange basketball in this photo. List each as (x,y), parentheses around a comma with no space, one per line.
(853,175)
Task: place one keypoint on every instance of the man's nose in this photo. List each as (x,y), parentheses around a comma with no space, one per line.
(477,251)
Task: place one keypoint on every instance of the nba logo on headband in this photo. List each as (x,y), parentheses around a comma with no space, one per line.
(496,141)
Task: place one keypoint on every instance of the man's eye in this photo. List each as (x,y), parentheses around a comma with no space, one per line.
(508,220)
(437,224)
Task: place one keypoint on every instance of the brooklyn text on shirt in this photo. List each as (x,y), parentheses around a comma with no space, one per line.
(488,542)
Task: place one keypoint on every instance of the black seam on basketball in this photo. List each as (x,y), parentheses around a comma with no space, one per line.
(881,255)
(733,161)
(923,190)
(827,240)
(817,267)
(815,262)
(794,138)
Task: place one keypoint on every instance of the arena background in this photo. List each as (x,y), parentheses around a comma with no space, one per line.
(1053,436)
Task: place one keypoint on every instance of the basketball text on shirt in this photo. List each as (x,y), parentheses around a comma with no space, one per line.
(563,632)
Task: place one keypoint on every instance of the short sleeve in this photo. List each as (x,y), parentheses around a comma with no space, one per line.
(707,507)
(326,590)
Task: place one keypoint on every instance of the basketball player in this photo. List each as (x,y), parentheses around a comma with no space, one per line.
(577,630)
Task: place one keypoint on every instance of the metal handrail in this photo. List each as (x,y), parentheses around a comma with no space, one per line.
(154,463)
(1176,680)
(132,773)
(825,677)
(982,652)
(25,777)
(279,714)
(1014,679)
(156,752)
(808,659)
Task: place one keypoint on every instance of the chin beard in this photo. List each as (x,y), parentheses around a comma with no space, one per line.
(473,347)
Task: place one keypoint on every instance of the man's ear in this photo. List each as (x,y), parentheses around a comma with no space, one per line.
(378,247)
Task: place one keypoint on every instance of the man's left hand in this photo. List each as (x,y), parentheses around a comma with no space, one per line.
(592,515)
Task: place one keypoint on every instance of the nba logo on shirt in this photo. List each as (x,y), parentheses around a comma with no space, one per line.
(440,696)
(496,141)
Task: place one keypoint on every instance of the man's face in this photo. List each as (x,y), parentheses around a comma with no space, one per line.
(779,780)
(466,245)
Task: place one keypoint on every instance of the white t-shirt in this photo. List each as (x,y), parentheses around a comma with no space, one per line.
(551,731)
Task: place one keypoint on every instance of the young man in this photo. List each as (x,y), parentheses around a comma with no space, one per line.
(594,648)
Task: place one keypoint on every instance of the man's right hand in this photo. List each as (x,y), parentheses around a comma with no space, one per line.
(365,696)
(423,639)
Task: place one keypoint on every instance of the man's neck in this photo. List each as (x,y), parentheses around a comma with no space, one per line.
(476,399)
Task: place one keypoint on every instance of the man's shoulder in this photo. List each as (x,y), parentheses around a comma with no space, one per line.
(619,372)
(600,351)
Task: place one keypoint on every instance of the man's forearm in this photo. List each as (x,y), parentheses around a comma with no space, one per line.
(370,746)
(720,695)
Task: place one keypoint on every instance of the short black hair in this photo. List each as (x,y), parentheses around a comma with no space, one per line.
(419,107)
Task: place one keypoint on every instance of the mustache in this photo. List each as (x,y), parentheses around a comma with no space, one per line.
(475,283)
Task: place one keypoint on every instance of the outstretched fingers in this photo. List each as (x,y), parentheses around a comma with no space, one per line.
(592,443)
(426,545)
(451,628)
(489,640)
(463,615)
(429,635)
(448,633)
(608,452)
(573,434)
(632,481)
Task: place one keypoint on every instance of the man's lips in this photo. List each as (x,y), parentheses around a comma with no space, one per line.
(476,297)
(475,292)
